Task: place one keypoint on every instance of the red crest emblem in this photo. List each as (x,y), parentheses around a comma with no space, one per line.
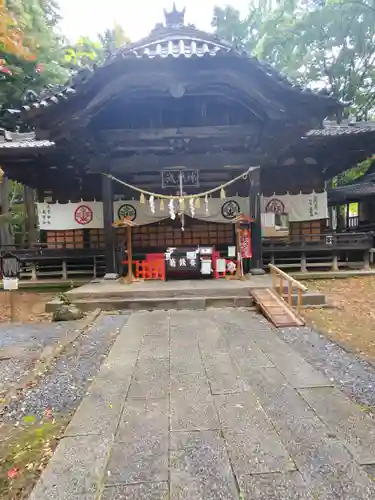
(83,215)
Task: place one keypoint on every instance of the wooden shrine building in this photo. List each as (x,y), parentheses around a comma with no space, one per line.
(179,110)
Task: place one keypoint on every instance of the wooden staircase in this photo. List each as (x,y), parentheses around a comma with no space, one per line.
(275,308)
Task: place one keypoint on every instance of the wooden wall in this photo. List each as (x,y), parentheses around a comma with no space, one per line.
(152,236)
(292,179)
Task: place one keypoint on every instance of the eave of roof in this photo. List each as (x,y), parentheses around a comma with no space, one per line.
(353,192)
(331,129)
(172,42)
(16,140)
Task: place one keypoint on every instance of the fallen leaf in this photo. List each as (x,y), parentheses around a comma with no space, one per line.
(12,473)
(48,413)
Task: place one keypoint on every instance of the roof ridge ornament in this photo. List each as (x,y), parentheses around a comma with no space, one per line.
(174,18)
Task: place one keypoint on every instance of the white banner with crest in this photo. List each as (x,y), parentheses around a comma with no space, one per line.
(89,215)
(65,216)
(298,207)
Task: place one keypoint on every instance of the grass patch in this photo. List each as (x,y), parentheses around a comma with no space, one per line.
(24,452)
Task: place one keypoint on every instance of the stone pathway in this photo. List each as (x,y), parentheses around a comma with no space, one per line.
(210,405)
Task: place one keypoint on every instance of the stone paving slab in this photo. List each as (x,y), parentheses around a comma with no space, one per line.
(320,456)
(145,491)
(253,444)
(191,403)
(150,378)
(143,418)
(242,348)
(346,420)
(154,323)
(210,405)
(278,398)
(154,346)
(98,414)
(200,468)
(75,471)
(223,374)
(286,486)
(209,336)
(325,464)
(296,370)
(141,450)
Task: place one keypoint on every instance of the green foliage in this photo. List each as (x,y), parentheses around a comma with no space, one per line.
(84,54)
(316,42)
(37,19)
(87,53)
(354,173)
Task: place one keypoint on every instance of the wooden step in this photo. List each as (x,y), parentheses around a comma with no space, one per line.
(275,308)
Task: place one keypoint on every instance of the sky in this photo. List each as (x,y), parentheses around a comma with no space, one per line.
(87,17)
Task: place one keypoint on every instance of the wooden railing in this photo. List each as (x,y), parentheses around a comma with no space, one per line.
(278,284)
(321,242)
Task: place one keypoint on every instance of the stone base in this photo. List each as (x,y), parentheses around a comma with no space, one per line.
(257,271)
(111,276)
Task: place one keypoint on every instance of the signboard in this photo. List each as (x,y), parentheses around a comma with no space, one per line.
(182,263)
(245,239)
(10,284)
(171,178)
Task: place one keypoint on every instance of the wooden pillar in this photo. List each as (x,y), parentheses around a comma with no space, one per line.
(6,236)
(256,266)
(31,226)
(347,216)
(109,234)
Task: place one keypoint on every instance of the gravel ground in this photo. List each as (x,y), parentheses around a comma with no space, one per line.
(355,376)
(21,345)
(63,388)
(33,334)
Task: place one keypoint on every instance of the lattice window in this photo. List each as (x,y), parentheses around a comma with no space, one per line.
(309,229)
(65,239)
(169,234)
(96,238)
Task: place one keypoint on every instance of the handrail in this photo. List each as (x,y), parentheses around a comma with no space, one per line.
(291,283)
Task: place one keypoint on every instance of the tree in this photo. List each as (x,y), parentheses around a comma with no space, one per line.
(319,43)
(113,39)
(11,33)
(87,53)
(41,64)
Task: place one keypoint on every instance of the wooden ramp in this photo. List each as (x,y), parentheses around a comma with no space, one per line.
(275,308)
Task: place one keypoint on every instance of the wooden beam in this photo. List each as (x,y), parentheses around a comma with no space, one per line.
(146,163)
(131,136)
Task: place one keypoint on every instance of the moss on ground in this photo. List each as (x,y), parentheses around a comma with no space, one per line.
(24,452)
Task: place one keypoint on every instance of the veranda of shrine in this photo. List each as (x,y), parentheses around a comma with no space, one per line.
(182,109)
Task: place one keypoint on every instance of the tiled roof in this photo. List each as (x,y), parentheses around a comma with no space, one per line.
(172,41)
(365,186)
(27,140)
(343,194)
(177,47)
(14,140)
(346,128)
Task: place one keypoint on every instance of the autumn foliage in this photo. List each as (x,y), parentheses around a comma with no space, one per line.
(11,35)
